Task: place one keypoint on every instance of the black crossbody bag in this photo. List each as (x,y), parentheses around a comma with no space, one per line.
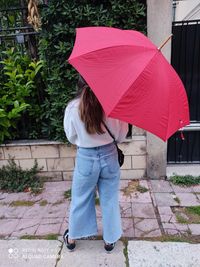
(119,151)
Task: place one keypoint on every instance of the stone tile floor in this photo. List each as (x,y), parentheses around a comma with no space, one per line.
(146,214)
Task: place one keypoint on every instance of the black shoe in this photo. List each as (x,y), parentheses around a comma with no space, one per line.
(70,246)
(109,247)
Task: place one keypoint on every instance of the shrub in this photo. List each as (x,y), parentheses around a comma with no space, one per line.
(59,22)
(185,180)
(14,179)
(18,93)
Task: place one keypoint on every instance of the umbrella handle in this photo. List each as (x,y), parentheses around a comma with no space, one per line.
(161,46)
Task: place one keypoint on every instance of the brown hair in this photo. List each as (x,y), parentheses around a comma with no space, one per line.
(91,111)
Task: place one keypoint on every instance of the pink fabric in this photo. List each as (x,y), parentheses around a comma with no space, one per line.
(131,78)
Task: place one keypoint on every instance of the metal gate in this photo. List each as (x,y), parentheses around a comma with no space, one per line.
(186,61)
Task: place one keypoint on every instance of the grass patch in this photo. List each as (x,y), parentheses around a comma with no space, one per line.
(43,202)
(141,189)
(187,214)
(193,210)
(125,251)
(19,203)
(185,180)
(67,194)
(46,237)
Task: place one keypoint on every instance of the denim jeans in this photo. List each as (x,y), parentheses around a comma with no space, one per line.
(95,168)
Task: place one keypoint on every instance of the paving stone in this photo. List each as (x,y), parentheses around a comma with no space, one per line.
(99,226)
(10,197)
(165,199)
(141,197)
(181,189)
(196,188)
(26,227)
(3,195)
(7,226)
(31,253)
(124,198)
(53,197)
(49,226)
(163,254)
(64,226)
(127,226)
(126,210)
(188,199)
(165,210)
(181,227)
(170,229)
(195,228)
(3,208)
(15,212)
(91,253)
(98,210)
(57,186)
(56,211)
(161,186)
(143,210)
(168,218)
(146,227)
(35,212)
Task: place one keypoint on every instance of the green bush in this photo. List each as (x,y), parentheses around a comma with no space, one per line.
(60,20)
(185,180)
(14,179)
(18,92)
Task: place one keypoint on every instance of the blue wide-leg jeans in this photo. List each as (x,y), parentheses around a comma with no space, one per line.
(95,168)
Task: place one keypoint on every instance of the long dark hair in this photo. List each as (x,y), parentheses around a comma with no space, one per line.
(90,110)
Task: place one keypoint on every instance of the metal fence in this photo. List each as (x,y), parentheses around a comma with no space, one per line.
(16,32)
(186,61)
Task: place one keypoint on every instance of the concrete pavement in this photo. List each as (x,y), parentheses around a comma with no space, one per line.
(90,253)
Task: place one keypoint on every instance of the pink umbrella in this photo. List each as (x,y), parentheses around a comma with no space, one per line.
(131,78)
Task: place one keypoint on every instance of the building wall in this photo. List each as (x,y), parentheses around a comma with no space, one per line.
(159,27)
(58,159)
(187,10)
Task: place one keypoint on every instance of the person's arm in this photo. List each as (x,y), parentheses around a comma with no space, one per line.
(69,127)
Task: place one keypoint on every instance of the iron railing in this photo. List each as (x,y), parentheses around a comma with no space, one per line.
(186,61)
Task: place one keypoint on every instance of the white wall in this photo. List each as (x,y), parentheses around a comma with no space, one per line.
(187,10)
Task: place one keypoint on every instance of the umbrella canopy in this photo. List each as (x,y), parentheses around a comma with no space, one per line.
(131,78)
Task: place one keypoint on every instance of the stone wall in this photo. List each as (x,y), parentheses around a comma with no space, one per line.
(58,159)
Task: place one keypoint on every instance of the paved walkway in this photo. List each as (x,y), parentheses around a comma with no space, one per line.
(147,211)
(147,214)
(52,253)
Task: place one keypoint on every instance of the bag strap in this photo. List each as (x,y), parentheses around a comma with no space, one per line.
(109,132)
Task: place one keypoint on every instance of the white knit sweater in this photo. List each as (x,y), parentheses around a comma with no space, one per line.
(77,134)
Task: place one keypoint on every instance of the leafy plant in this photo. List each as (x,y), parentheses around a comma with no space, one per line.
(18,91)
(67,194)
(185,180)
(14,179)
(59,22)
